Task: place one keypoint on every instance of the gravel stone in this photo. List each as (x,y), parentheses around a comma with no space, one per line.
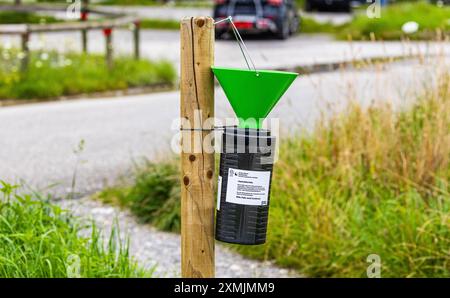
(152,248)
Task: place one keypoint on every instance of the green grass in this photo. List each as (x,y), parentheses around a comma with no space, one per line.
(51,75)
(431,20)
(429,17)
(39,239)
(11,17)
(160,24)
(309,25)
(367,181)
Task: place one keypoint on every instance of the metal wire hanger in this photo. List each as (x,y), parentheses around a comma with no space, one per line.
(244,50)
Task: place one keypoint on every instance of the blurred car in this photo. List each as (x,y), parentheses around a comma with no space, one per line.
(332,5)
(279,17)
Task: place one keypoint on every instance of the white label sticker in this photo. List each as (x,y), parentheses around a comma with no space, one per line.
(219,192)
(248,187)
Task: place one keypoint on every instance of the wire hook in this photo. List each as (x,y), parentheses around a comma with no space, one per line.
(242,46)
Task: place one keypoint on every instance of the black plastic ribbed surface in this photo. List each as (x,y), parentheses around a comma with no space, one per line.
(235,223)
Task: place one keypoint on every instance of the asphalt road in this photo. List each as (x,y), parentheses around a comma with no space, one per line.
(37,141)
(300,50)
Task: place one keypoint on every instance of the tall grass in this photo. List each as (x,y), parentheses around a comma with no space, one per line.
(366,181)
(39,239)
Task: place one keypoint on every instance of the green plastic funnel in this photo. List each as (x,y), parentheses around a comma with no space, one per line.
(253,94)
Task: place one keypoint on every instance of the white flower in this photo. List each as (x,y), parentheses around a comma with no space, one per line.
(44,56)
(21,55)
(410,27)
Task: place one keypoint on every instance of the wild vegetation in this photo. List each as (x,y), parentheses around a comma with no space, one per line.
(51,74)
(160,24)
(433,22)
(366,181)
(12,17)
(39,239)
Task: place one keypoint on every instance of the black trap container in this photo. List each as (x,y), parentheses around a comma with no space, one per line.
(243,193)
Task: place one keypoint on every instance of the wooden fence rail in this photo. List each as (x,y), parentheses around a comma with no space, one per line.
(84,25)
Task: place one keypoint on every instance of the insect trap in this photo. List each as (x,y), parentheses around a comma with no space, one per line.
(247,156)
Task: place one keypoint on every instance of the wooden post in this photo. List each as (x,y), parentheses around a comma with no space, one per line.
(25,39)
(137,41)
(109,47)
(197,168)
(84,17)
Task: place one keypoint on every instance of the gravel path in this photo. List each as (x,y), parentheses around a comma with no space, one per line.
(151,247)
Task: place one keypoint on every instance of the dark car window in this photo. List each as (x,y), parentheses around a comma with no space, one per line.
(245,8)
